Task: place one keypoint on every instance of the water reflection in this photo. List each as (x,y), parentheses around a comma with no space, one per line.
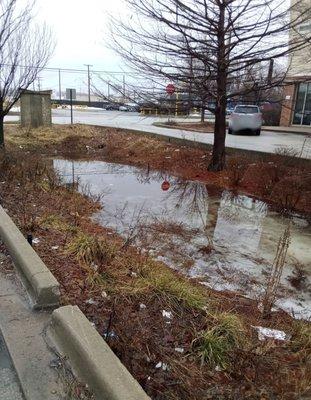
(227,240)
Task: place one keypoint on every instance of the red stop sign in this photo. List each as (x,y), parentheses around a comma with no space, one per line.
(165,186)
(170,89)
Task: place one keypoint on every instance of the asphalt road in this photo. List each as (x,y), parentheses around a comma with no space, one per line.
(267,142)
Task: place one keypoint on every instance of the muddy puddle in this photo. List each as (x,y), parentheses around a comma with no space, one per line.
(228,241)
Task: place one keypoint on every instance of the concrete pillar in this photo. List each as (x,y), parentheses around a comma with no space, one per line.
(36,108)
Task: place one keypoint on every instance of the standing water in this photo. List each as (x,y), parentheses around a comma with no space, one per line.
(228,241)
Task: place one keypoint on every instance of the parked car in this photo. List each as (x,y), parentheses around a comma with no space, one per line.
(111,107)
(245,118)
(124,108)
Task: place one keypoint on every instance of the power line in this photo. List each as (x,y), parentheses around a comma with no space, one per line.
(74,70)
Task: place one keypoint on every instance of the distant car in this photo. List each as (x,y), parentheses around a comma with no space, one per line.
(245,118)
(124,108)
(111,107)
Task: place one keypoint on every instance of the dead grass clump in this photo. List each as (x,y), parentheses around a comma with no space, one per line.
(301,337)
(177,290)
(16,135)
(90,249)
(215,345)
(58,223)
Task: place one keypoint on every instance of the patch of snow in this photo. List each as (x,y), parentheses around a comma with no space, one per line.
(267,333)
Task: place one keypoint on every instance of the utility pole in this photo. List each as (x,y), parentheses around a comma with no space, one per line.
(108,94)
(71,110)
(89,80)
(59,85)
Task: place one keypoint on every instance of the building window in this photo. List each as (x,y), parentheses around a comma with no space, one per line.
(302,114)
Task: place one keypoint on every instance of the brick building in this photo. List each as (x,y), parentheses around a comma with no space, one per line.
(296,105)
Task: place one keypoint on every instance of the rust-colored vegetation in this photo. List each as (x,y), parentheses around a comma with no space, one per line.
(178,338)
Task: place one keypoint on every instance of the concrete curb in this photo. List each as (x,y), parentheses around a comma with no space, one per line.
(40,284)
(91,358)
(285,130)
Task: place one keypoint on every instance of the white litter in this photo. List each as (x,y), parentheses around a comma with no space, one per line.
(267,333)
(35,241)
(134,274)
(55,247)
(162,365)
(90,301)
(179,349)
(142,306)
(104,294)
(167,314)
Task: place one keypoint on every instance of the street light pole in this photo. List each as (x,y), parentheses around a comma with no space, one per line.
(89,80)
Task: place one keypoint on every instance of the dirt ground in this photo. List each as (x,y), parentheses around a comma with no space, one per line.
(179,339)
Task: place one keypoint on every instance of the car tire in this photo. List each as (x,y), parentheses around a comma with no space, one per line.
(257,133)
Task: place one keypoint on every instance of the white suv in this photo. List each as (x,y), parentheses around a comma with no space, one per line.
(245,118)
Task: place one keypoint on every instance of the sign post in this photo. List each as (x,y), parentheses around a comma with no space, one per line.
(71,94)
(170,90)
(71,113)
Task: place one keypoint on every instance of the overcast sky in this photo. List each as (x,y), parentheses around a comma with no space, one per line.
(80,28)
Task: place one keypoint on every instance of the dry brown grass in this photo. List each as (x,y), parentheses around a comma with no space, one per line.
(123,282)
(15,135)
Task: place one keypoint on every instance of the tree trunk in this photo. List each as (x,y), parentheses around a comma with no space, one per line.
(1,125)
(202,112)
(219,156)
(219,149)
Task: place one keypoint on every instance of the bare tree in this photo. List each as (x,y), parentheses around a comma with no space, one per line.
(223,39)
(24,50)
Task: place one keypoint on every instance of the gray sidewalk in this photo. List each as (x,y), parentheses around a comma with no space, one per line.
(9,385)
(25,360)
